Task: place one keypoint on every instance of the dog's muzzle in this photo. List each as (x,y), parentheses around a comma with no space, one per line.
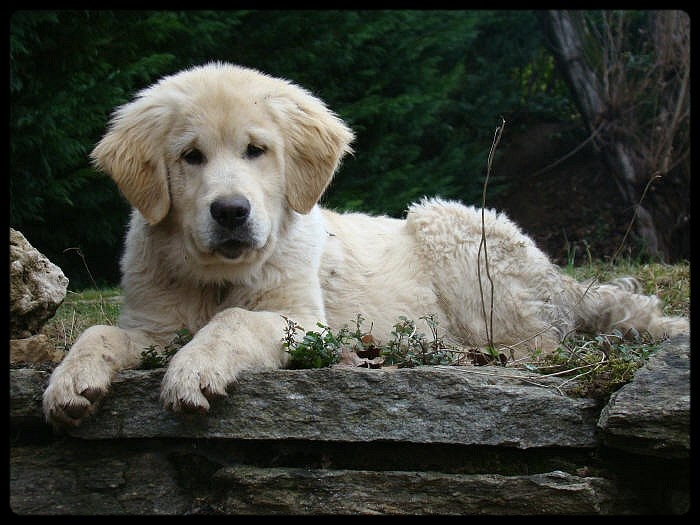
(233,235)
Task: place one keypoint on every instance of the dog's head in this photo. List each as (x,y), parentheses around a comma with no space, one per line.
(223,149)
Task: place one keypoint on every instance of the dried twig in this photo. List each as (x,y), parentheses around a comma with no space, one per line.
(634,217)
(482,245)
(573,152)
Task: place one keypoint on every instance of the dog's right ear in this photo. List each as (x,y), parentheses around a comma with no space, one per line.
(132,152)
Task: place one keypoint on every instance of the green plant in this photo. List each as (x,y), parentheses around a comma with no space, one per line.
(596,366)
(409,347)
(315,350)
(151,357)
(592,366)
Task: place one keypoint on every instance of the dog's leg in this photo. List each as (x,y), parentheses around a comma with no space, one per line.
(235,339)
(618,305)
(81,380)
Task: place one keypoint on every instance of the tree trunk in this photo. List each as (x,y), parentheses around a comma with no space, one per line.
(643,152)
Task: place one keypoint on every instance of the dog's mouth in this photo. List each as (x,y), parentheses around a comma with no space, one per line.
(232,248)
(233,244)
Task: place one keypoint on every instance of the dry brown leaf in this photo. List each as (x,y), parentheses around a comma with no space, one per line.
(351,358)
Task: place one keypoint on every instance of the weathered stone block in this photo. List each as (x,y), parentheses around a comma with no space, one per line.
(96,480)
(37,287)
(34,349)
(484,406)
(651,414)
(317,491)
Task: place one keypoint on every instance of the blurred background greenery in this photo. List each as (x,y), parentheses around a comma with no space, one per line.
(423,90)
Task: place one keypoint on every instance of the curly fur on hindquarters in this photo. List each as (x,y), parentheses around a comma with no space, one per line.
(534,302)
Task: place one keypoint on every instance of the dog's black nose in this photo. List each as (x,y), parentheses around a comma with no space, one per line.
(230,212)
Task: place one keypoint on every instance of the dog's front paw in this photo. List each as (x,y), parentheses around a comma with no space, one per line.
(74,392)
(191,382)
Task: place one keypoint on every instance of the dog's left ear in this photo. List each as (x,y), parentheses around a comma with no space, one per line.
(132,153)
(316,141)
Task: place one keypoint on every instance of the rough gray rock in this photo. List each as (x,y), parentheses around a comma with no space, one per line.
(317,491)
(37,287)
(651,414)
(26,389)
(93,479)
(476,405)
(172,477)
(440,440)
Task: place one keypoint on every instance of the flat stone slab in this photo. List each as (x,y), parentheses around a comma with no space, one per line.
(489,405)
(651,414)
(460,405)
(98,478)
(252,490)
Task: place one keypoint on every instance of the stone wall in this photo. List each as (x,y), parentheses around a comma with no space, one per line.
(429,440)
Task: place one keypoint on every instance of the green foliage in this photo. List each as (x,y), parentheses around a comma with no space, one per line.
(591,365)
(422,89)
(596,365)
(409,348)
(406,348)
(152,357)
(315,350)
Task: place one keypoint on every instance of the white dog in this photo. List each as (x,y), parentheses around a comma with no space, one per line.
(224,167)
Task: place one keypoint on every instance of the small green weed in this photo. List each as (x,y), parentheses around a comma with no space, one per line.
(315,350)
(151,357)
(407,347)
(596,366)
(591,366)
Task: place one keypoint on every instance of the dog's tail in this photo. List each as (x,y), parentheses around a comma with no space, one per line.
(619,305)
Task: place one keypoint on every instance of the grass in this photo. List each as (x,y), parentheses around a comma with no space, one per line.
(670,282)
(79,311)
(594,365)
(597,365)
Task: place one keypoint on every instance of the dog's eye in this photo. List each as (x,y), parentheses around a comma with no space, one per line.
(253,151)
(193,156)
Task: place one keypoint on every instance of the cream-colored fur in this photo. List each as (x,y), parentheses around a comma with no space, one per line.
(220,131)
